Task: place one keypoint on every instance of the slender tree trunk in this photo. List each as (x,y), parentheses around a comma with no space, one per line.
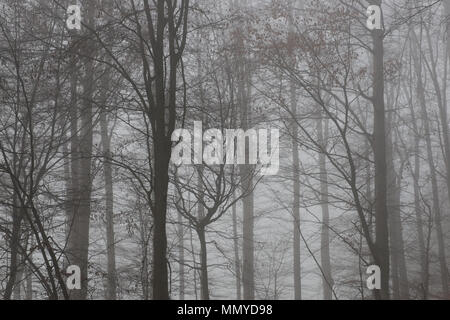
(200,229)
(381,229)
(237,260)
(145,274)
(327,279)
(111,289)
(17,218)
(399,271)
(79,235)
(419,221)
(403,271)
(447,19)
(29,284)
(398,262)
(109,195)
(203,263)
(144,247)
(242,72)
(191,237)
(68,185)
(181,257)
(246,172)
(248,240)
(296,195)
(72,183)
(417,208)
(295,168)
(19,279)
(391,198)
(29,272)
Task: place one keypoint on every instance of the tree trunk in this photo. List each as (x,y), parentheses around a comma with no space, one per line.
(400,247)
(391,198)
(29,284)
(296,195)
(109,195)
(399,271)
(19,280)
(14,243)
(111,289)
(160,274)
(398,262)
(327,279)
(181,256)
(242,72)
(381,229)
(447,17)
(417,208)
(163,117)
(73,171)
(237,261)
(144,249)
(203,263)
(419,221)
(246,172)
(191,238)
(78,247)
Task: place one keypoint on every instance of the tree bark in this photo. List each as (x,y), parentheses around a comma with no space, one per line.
(417,196)
(29,284)
(246,172)
(181,257)
(419,221)
(78,247)
(109,212)
(327,279)
(14,243)
(203,263)
(398,262)
(381,229)
(296,195)
(111,289)
(237,261)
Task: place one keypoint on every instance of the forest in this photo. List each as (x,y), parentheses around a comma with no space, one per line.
(224,150)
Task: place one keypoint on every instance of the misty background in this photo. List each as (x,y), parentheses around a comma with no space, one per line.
(86,123)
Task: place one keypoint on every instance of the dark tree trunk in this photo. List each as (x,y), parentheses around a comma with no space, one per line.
(237,261)
(181,256)
(160,274)
(381,256)
(78,247)
(14,247)
(203,263)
